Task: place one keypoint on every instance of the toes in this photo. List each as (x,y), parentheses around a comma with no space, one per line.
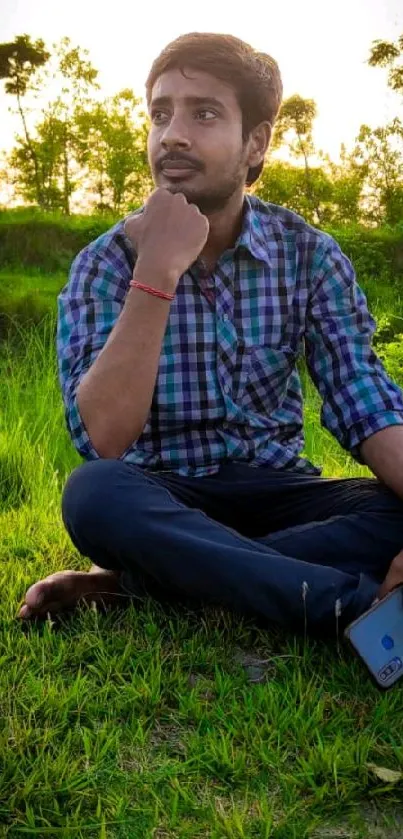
(64,589)
(53,608)
(36,594)
(56,586)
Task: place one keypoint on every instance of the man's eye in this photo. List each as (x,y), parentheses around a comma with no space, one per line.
(158,116)
(206,111)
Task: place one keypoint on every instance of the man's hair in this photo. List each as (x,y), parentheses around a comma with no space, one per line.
(254,75)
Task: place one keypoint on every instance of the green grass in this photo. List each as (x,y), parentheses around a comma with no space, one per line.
(145,722)
(28,296)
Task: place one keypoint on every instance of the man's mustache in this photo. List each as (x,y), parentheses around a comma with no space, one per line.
(175,157)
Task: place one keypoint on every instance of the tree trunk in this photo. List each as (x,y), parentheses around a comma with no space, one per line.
(38,188)
(66,182)
(309,190)
(101,189)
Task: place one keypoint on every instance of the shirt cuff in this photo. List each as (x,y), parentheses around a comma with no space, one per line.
(370,425)
(78,432)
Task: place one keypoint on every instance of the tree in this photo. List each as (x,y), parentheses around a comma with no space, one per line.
(78,136)
(111,144)
(296,118)
(19,62)
(79,79)
(45,166)
(19,59)
(48,146)
(284,184)
(385,54)
(347,178)
(377,152)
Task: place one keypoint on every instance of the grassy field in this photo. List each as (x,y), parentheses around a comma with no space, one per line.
(153,721)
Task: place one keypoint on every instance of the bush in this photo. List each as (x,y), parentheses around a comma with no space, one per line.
(46,242)
(20,312)
(391,355)
(376,254)
(32,239)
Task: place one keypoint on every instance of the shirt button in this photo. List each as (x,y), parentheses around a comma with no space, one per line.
(226,388)
(225,317)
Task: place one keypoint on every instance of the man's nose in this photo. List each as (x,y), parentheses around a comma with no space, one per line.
(176,134)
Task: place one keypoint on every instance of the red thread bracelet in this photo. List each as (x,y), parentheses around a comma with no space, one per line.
(155,291)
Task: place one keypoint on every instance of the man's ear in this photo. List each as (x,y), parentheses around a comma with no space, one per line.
(258,141)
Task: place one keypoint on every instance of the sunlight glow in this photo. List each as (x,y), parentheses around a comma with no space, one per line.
(321,48)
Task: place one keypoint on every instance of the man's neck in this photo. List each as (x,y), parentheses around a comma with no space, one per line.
(225,227)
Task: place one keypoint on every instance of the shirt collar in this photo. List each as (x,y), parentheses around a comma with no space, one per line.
(252,236)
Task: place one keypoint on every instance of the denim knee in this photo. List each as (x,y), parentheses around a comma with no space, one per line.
(88,493)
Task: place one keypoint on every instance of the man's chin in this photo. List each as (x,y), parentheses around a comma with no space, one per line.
(175,184)
(181,186)
(207,202)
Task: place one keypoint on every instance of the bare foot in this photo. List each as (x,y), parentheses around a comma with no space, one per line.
(64,589)
(394,576)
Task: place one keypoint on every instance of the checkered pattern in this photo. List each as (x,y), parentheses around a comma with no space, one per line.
(227,386)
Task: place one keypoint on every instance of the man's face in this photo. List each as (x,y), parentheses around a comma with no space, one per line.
(195,142)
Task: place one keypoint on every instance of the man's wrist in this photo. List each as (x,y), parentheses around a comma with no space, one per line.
(156,276)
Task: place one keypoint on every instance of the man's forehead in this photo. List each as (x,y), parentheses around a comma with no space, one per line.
(174,85)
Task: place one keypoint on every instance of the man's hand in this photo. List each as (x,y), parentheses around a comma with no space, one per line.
(167,236)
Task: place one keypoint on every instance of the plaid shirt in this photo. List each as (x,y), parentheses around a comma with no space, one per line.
(227,386)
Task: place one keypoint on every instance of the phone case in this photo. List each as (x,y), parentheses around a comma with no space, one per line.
(377,638)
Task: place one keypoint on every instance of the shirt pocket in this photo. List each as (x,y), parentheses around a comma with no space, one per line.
(268,371)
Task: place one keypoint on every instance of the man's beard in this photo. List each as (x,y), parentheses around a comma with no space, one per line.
(211,200)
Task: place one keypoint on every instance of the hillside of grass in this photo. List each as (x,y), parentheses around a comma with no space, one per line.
(157,721)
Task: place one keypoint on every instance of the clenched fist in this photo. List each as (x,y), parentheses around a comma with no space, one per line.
(168,236)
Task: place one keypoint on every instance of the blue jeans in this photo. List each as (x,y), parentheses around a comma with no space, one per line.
(279,545)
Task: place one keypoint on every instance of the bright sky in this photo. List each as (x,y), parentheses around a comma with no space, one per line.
(321,48)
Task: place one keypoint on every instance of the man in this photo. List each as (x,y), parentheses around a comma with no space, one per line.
(181,388)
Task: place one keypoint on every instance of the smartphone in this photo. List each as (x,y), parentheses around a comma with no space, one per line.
(377,638)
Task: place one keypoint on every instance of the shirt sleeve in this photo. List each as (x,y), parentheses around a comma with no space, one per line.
(359,398)
(88,307)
